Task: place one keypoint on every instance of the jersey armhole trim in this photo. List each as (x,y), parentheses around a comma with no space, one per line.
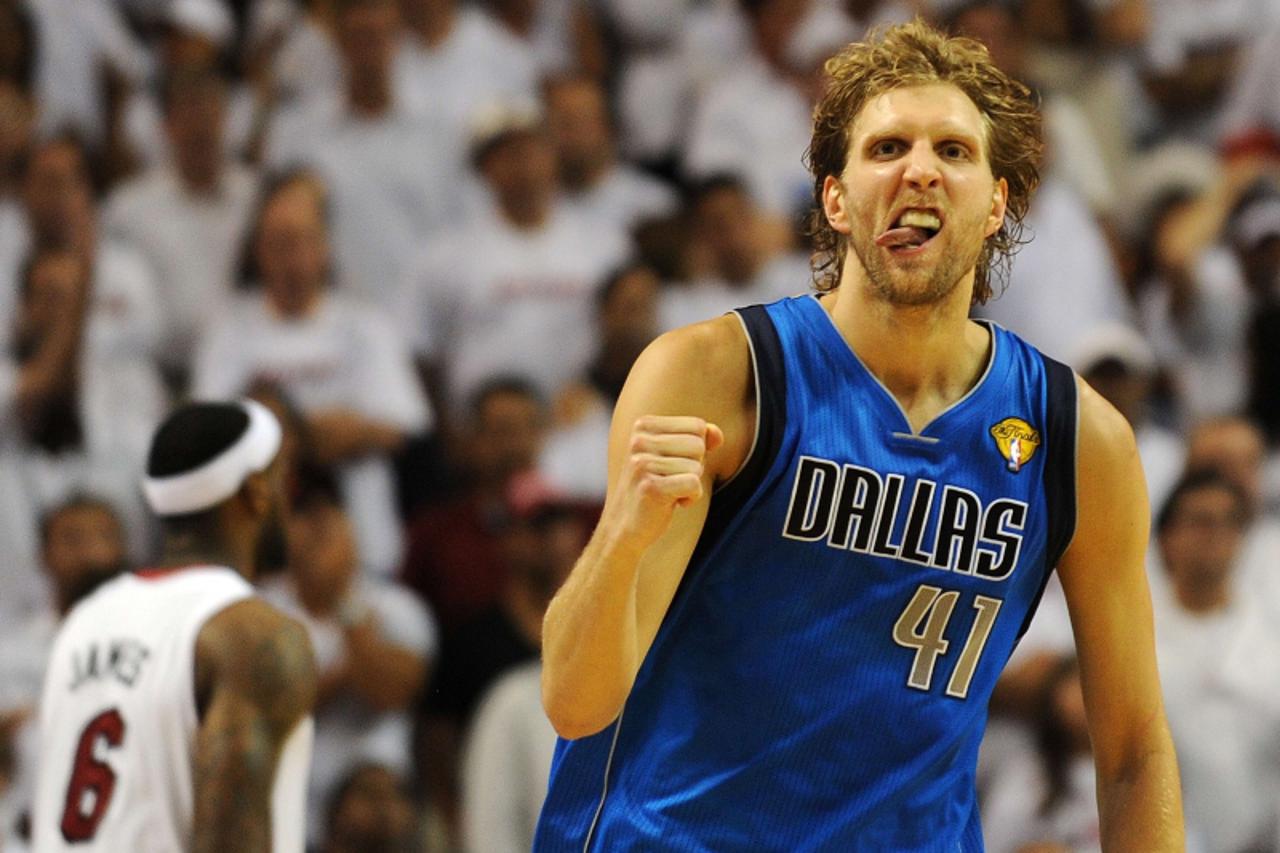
(755,436)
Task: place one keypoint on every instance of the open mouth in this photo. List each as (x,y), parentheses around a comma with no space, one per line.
(913,228)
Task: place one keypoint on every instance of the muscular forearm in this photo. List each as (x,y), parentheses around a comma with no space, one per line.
(589,638)
(1141,807)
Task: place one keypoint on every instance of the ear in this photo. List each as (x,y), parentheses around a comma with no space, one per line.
(833,205)
(999,203)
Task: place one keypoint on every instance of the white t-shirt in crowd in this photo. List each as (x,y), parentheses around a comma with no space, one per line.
(192,242)
(479,63)
(752,123)
(492,299)
(1205,350)
(785,275)
(1063,283)
(347,731)
(1220,673)
(506,763)
(344,354)
(1011,809)
(626,197)
(393,182)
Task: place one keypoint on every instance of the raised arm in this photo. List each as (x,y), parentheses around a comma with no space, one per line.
(1104,577)
(256,681)
(684,422)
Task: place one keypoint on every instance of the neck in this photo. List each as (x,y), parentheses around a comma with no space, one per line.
(945,351)
(191,547)
(526,213)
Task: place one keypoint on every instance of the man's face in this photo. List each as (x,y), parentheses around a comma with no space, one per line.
(293,249)
(194,125)
(629,317)
(82,544)
(578,122)
(1236,450)
(373,815)
(57,193)
(322,552)
(511,429)
(521,171)
(729,224)
(1202,539)
(367,38)
(917,197)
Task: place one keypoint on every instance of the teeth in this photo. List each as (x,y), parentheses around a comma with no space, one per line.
(920,219)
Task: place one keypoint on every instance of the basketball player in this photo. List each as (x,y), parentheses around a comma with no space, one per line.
(175,709)
(819,544)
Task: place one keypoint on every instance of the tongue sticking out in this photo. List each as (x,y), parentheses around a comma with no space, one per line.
(902,237)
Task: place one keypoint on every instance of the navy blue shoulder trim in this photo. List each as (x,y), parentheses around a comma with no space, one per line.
(1062,423)
(771,417)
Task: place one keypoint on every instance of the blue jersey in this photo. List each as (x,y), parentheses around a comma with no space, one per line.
(820,681)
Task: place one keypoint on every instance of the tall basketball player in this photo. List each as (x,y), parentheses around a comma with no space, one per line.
(175,714)
(830,518)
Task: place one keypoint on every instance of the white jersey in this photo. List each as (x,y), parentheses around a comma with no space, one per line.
(118,720)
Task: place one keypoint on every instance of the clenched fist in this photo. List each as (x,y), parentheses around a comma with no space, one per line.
(663,470)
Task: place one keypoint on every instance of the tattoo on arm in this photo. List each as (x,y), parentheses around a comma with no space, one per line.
(264,685)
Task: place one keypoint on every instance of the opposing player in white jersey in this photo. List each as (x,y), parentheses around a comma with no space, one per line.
(175,713)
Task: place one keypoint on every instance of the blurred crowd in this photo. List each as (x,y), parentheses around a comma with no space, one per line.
(433,235)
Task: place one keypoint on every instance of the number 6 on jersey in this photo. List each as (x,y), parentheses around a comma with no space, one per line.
(922,626)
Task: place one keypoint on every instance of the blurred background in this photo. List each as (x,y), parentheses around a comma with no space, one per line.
(433,235)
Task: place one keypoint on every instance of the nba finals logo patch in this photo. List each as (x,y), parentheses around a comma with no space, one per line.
(1017,441)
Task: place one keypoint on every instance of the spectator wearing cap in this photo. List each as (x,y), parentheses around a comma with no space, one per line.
(456,58)
(593,180)
(188,214)
(542,539)
(340,360)
(1218,652)
(508,292)
(1117,362)
(392,175)
(737,256)
(374,641)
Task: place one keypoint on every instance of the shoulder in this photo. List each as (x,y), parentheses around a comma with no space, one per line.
(1104,437)
(700,357)
(254,649)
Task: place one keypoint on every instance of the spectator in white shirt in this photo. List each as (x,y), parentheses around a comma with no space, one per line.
(1219,656)
(573,458)
(738,256)
(595,183)
(456,58)
(374,642)
(392,176)
(509,292)
(188,216)
(340,360)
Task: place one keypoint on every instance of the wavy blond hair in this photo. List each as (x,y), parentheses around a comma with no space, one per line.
(915,54)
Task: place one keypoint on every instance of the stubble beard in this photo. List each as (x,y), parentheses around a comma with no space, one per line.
(910,283)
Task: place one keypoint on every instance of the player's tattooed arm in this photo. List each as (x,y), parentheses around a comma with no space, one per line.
(256,680)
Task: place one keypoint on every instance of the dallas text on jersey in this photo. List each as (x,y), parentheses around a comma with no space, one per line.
(858,509)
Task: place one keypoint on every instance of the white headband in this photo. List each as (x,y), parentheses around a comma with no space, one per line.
(220,477)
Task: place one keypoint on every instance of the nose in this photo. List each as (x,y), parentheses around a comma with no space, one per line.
(922,167)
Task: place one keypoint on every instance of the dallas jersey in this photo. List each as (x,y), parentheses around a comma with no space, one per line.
(118,720)
(820,681)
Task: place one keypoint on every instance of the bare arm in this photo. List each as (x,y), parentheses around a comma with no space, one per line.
(258,679)
(687,395)
(1104,577)
(383,674)
(339,434)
